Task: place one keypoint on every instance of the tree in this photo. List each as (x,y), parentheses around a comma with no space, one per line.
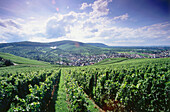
(8,63)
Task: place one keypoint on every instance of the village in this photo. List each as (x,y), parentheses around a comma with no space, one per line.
(81,60)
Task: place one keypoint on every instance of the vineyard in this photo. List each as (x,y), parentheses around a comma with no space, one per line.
(140,86)
(136,85)
(30,91)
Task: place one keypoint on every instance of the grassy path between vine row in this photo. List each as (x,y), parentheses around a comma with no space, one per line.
(61,104)
(92,106)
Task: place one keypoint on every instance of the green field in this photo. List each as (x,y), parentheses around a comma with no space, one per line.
(21,60)
(145,55)
(111,61)
(22,64)
(116,84)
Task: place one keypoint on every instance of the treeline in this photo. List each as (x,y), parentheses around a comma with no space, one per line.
(5,62)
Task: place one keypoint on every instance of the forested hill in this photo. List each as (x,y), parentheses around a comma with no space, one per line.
(98,45)
(53,51)
(38,44)
(75,53)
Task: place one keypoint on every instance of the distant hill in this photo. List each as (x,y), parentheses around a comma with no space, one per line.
(38,44)
(65,45)
(52,51)
(98,45)
(65,51)
(57,43)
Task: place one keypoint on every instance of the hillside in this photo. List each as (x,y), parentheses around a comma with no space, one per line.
(119,86)
(22,64)
(111,61)
(98,45)
(53,51)
(20,60)
(91,88)
(75,53)
(38,44)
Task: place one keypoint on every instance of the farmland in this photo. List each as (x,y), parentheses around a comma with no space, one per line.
(118,84)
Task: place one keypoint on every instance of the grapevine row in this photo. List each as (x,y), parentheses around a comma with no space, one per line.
(130,87)
(75,95)
(29,91)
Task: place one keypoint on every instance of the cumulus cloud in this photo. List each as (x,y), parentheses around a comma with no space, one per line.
(10,30)
(55,29)
(154,34)
(9,23)
(2,24)
(60,25)
(19,29)
(12,23)
(66,26)
(128,41)
(85,5)
(122,17)
(100,8)
(94,26)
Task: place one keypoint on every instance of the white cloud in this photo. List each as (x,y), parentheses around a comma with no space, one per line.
(44,39)
(85,5)
(122,17)
(65,26)
(59,25)
(100,8)
(94,26)
(19,29)
(128,41)
(3,41)
(147,35)
(34,27)
(55,29)
(9,23)
(10,30)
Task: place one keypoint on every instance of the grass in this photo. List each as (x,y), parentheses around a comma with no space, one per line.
(21,60)
(136,53)
(61,104)
(91,106)
(23,64)
(24,68)
(111,61)
(142,61)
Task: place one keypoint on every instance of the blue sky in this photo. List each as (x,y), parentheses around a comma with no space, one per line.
(112,22)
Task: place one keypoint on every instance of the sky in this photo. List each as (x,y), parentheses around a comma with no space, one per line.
(112,22)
